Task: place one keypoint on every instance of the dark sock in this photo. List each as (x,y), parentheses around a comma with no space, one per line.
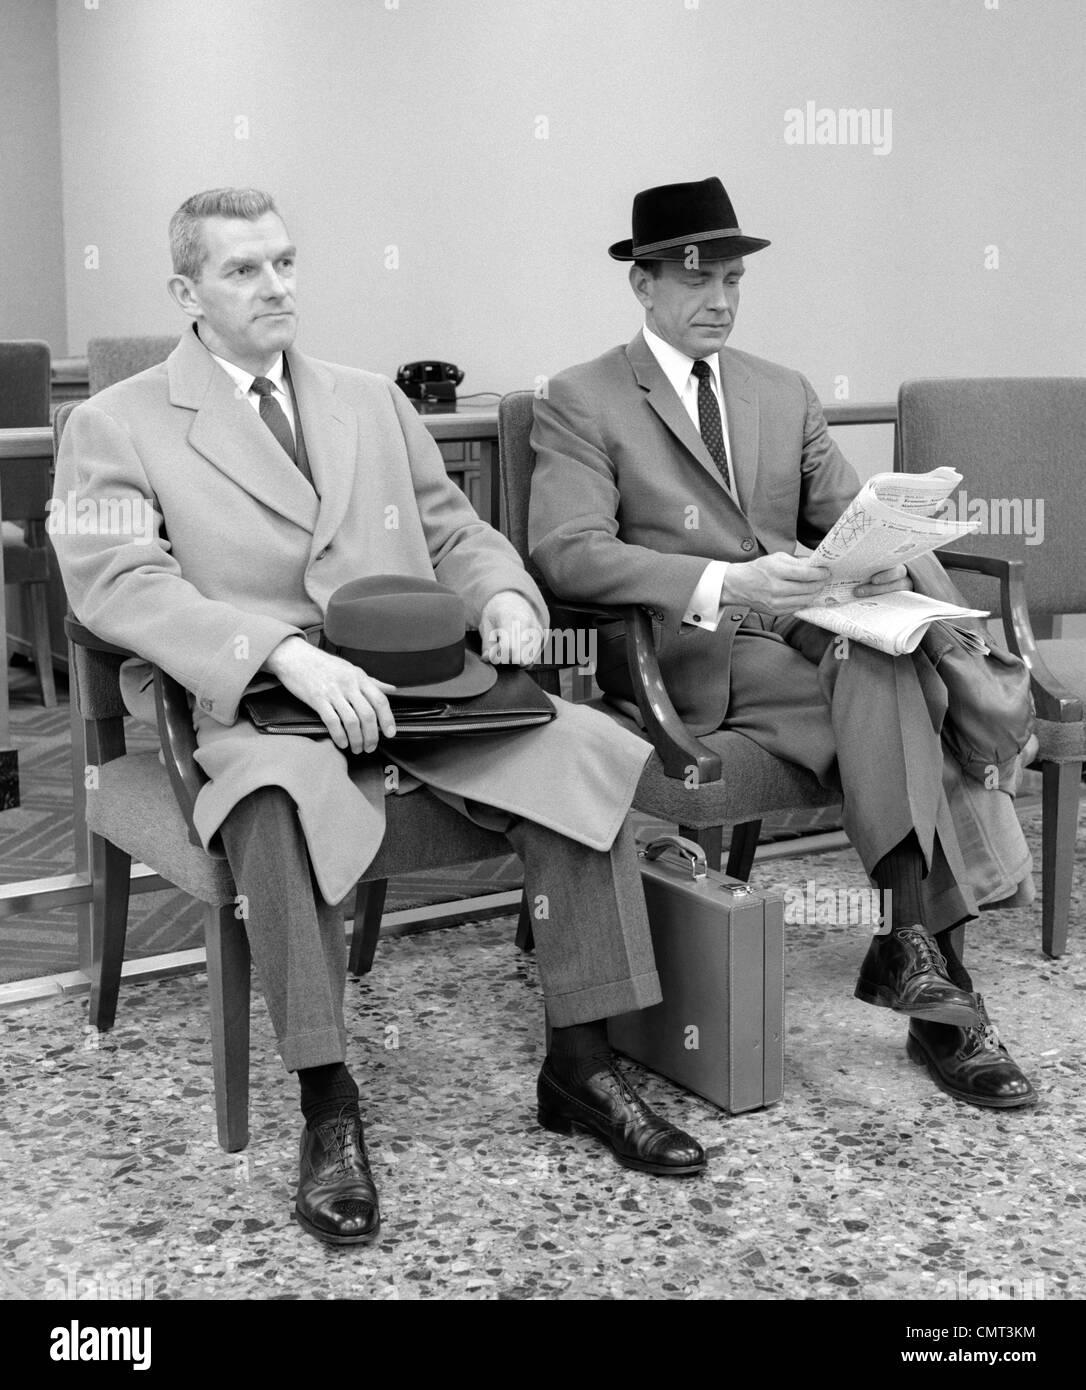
(326,1092)
(955,966)
(579,1050)
(901,873)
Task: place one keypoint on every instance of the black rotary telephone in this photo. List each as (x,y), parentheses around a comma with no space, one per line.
(430,385)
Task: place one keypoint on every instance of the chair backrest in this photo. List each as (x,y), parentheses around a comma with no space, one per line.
(1020,446)
(110,360)
(25,383)
(516,460)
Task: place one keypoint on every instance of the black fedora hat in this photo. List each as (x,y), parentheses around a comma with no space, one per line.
(670,219)
(408,632)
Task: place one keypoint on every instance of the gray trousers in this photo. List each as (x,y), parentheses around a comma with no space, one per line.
(588,916)
(865,723)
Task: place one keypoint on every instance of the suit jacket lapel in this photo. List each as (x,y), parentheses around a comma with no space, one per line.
(667,405)
(741,405)
(231,436)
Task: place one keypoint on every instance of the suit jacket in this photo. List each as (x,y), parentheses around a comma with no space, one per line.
(627,505)
(242,553)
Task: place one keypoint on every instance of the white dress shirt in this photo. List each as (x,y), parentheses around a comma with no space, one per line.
(703,610)
(245,381)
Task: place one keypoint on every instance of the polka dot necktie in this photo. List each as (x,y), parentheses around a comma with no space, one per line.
(709,422)
(273,415)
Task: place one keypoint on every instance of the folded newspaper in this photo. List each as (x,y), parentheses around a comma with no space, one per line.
(892,519)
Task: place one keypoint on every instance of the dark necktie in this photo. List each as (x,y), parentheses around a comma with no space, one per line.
(709,422)
(273,415)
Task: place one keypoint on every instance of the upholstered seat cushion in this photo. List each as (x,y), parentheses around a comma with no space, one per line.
(134,808)
(1066,659)
(754,784)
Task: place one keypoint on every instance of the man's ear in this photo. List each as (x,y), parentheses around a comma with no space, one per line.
(641,284)
(181,291)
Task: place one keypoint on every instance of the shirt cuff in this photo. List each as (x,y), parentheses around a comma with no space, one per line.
(703,610)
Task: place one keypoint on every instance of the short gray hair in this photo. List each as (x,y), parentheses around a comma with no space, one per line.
(187,246)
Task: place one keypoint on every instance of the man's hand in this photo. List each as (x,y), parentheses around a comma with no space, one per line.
(351,704)
(885,582)
(510,630)
(774,584)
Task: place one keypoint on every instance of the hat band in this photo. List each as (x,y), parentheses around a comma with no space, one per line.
(686,240)
(410,668)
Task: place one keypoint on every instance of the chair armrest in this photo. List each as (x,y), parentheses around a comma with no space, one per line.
(678,749)
(1053,700)
(83,637)
(178,739)
(561,612)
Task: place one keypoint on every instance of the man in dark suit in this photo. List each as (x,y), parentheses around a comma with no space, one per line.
(678,474)
(269,480)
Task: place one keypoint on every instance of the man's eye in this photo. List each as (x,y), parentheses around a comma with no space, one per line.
(287,263)
(243,270)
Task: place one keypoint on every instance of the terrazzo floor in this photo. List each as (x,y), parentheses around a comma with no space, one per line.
(865,1182)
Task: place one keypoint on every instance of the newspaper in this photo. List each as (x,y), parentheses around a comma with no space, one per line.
(892,519)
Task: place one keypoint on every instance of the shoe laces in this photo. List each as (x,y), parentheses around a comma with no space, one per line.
(985,1033)
(928,954)
(626,1091)
(337,1135)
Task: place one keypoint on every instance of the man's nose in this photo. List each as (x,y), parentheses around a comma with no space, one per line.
(273,287)
(717,295)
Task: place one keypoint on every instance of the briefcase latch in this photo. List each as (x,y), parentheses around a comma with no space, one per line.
(689,850)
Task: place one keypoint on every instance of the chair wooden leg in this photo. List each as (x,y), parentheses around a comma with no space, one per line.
(109,924)
(710,838)
(525,935)
(37,604)
(742,850)
(228,998)
(368,910)
(1060,789)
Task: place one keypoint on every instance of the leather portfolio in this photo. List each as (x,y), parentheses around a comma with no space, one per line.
(719,947)
(514,701)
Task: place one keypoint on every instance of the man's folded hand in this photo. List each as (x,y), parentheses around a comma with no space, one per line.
(510,630)
(353,706)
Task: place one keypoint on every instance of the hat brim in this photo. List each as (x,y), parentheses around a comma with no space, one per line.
(476,678)
(723,249)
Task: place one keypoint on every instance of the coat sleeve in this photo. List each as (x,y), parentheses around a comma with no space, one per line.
(466,552)
(573,519)
(125,585)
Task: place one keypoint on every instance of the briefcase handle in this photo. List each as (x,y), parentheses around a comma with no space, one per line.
(689,850)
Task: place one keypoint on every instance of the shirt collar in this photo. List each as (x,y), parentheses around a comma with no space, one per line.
(675,365)
(244,379)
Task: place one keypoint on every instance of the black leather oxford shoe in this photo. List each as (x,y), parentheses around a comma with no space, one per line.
(337,1197)
(970,1064)
(905,971)
(607,1105)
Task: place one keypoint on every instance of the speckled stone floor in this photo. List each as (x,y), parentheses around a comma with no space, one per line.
(865,1182)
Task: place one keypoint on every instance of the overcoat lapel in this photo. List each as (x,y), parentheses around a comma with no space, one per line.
(331,436)
(667,405)
(227,432)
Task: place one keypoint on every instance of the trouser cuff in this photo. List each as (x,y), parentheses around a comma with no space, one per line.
(313,1049)
(603,1001)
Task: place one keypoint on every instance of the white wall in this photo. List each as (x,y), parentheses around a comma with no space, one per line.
(416,125)
(31,239)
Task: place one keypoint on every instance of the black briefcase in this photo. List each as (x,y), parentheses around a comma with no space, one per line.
(719,947)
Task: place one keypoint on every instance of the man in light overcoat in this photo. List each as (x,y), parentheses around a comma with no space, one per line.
(272,479)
